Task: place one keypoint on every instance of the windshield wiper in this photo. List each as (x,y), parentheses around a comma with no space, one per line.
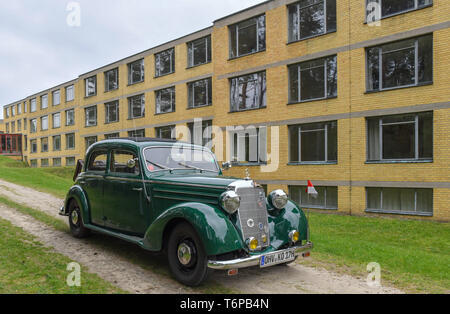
(158,165)
(196,168)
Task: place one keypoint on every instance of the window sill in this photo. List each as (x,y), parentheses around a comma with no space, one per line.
(244,110)
(197,107)
(197,65)
(400,13)
(112,122)
(415,161)
(90,126)
(112,90)
(70,101)
(394,212)
(312,163)
(135,83)
(311,100)
(246,55)
(136,118)
(87,97)
(397,88)
(163,113)
(162,75)
(249,164)
(317,207)
(310,37)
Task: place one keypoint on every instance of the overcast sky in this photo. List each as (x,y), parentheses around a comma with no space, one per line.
(38,48)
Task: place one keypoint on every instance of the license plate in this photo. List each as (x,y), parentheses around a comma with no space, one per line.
(277,258)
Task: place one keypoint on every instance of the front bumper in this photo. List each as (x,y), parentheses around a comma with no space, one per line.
(253,260)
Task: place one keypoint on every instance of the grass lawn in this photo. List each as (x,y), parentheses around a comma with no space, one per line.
(413,255)
(27,267)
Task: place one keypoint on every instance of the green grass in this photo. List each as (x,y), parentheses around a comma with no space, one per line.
(27,267)
(56,181)
(413,255)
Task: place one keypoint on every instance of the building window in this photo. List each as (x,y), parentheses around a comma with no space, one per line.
(33,163)
(165,62)
(400,64)
(19,125)
(165,100)
(136,72)
(13,111)
(249,145)
(44,162)
(33,126)
(25,142)
(310,18)
(166,132)
(393,7)
(136,107)
(136,133)
(33,105)
(313,143)
(7,128)
(111,80)
(25,124)
(400,201)
(70,141)
(33,146)
(70,161)
(7,112)
(57,143)
(313,80)
(248,37)
(201,133)
(70,93)
(199,51)
(200,93)
(13,127)
(44,123)
(91,116)
(400,137)
(248,92)
(56,98)
(25,109)
(90,141)
(56,162)
(44,145)
(70,117)
(91,86)
(327,197)
(44,101)
(56,120)
(112,135)
(19,108)
(112,112)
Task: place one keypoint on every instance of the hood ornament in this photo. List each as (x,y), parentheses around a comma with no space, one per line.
(247,175)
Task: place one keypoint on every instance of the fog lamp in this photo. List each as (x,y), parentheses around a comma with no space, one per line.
(294,235)
(252,243)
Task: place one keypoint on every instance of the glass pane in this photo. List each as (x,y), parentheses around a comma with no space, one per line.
(247,38)
(425,2)
(425,200)
(373,138)
(373,69)
(425,62)
(426,135)
(394,6)
(312,21)
(312,83)
(331,77)
(408,199)
(399,68)
(293,143)
(165,62)
(331,15)
(293,84)
(165,100)
(332,197)
(399,141)
(261,33)
(233,41)
(248,92)
(391,199)
(332,142)
(374,198)
(293,23)
(313,146)
(199,51)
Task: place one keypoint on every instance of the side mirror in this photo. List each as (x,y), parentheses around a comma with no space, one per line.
(131,163)
(226,165)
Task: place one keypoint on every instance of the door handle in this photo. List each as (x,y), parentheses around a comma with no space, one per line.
(138,189)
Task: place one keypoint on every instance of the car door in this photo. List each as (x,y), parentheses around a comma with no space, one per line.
(93,184)
(125,202)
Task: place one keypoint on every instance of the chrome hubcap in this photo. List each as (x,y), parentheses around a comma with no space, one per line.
(74,217)
(184,254)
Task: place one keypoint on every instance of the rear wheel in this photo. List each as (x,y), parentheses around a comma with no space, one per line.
(186,255)
(77,227)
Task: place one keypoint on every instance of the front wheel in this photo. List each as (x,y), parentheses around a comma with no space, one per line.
(77,227)
(186,255)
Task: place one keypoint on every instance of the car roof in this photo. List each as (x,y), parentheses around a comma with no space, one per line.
(140,142)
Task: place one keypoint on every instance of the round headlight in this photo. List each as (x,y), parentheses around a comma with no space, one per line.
(294,235)
(230,201)
(278,198)
(252,243)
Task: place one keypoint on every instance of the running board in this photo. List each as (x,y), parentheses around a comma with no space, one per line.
(125,237)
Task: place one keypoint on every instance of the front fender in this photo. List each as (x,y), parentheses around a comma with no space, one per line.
(77,193)
(212,225)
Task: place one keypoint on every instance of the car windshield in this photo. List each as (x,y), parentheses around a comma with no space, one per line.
(176,158)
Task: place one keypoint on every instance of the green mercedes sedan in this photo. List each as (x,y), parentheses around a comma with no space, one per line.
(172,197)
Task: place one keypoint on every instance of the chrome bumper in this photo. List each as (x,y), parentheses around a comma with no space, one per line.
(62,211)
(253,260)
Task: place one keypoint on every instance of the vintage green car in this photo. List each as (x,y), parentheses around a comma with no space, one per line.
(172,197)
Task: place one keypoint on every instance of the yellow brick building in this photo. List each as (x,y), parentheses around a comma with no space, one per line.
(357,105)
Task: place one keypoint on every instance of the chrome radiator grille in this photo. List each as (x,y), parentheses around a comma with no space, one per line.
(253,215)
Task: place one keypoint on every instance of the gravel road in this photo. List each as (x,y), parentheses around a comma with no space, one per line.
(115,265)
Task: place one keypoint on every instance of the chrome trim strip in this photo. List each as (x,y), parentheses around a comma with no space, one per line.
(253,260)
(186,184)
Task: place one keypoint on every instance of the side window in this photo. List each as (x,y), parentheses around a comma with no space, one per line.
(98,161)
(121,162)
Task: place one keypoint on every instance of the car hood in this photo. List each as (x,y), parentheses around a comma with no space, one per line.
(200,180)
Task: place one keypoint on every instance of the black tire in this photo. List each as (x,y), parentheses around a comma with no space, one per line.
(77,227)
(193,270)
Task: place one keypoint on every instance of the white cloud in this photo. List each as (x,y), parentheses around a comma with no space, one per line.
(39,50)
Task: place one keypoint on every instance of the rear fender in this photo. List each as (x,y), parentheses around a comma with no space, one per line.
(77,193)
(218,234)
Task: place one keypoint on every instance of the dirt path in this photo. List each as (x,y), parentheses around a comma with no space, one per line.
(113,264)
